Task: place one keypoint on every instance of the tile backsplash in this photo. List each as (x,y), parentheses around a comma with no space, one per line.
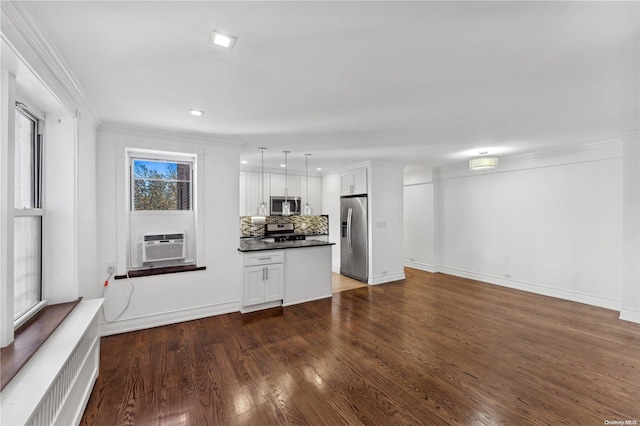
(318,225)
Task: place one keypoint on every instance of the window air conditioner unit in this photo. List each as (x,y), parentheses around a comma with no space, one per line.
(161,247)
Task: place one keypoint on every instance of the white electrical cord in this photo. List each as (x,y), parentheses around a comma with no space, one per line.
(128,299)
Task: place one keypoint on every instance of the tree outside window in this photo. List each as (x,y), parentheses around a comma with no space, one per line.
(161,185)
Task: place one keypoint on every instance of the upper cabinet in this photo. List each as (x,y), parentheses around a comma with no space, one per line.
(353,182)
(251,190)
(278,185)
(243,193)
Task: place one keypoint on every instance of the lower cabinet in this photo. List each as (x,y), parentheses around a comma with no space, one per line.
(285,277)
(263,284)
(263,279)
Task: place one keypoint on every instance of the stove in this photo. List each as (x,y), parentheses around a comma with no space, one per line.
(292,237)
(282,232)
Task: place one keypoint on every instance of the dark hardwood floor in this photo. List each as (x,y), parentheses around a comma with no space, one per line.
(429,350)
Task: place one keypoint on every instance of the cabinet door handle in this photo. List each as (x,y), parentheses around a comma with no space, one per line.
(263,273)
(264,258)
(267,270)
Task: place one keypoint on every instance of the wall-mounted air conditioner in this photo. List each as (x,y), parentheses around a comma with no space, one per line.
(161,247)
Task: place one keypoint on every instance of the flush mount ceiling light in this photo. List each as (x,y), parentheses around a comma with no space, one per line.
(481,163)
(196,112)
(223,40)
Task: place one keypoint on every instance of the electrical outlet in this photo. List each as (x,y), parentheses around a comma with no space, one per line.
(110,268)
(507,275)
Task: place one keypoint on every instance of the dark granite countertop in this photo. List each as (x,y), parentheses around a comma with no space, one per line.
(259,245)
(256,237)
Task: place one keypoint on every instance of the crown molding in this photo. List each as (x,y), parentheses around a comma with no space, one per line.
(169,135)
(42,59)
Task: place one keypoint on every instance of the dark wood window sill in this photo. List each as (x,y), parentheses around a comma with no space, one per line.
(161,271)
(30,337)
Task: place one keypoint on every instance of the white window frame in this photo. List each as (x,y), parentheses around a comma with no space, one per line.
(34,211)
(133,145)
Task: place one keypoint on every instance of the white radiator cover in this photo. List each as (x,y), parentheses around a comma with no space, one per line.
(54,386)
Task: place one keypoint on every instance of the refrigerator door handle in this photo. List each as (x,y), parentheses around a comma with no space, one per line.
(349,237)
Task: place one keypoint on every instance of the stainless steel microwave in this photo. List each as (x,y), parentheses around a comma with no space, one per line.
(294,205)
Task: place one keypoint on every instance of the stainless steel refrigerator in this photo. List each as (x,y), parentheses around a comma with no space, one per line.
(354,251)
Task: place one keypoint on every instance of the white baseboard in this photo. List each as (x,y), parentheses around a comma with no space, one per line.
(574,296)
(260,306)
(387,278)
(156,320)
(297,302)
(335,269)
(421,266)
(630,314)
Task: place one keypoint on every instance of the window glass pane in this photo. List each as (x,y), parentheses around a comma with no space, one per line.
(27,264)
(161,185)
(25,165)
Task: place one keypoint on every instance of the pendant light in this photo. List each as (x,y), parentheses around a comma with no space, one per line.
(286,206)
(262,207)
(308,211)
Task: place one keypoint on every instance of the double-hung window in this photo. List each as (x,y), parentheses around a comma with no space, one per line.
(162,210)
(28,215)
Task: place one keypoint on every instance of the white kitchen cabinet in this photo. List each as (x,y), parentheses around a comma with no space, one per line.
(254,192)
(243,194)
(263,284)
(278,184)
(353,182)
(315,193)
(263,280)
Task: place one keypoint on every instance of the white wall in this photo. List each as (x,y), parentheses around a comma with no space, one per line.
(164,299)
(331,207)
(59,273)
(630,309)
(551,224)
(419,236)
(386,231)
(87,242)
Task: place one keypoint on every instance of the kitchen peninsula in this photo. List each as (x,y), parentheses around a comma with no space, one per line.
(284,268)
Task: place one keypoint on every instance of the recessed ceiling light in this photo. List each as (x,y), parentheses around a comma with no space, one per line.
(318,168)
(223,40)
(283,165)
(196,112)
(244,161)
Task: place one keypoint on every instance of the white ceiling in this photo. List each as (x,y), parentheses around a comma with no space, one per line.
(422,83)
